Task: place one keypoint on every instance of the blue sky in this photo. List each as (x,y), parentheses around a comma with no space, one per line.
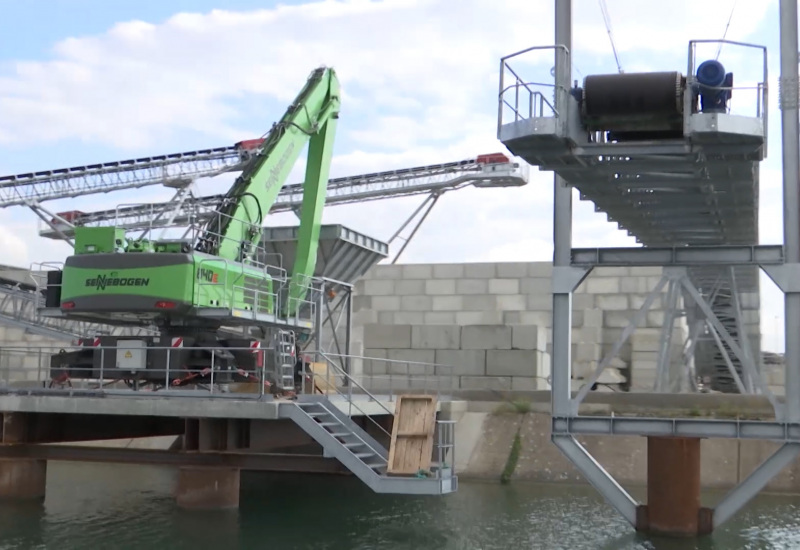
(26,34)
(95,80)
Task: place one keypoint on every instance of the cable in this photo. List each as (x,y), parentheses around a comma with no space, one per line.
(728,26)
(607,21)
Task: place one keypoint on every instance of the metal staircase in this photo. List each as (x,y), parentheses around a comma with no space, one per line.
(343,439)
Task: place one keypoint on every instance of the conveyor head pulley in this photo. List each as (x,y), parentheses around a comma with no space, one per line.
(634,103)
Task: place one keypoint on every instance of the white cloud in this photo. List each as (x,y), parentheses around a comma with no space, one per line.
(419,86)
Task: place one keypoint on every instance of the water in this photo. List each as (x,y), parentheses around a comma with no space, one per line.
(127,507)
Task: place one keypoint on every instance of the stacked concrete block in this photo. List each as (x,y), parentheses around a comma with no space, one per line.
(24,355)
(587,345)
(520,294)
(450,357)
(644,356)
(458,294)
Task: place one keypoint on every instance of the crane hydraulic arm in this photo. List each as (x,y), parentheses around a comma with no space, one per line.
(234,232)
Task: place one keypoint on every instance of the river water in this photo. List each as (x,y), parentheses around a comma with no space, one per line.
(130,507)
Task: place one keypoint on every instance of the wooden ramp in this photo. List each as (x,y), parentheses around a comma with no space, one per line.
(411,447)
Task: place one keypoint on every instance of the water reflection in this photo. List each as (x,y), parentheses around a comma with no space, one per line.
(90,506)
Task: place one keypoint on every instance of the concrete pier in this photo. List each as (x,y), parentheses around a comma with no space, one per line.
(22,478)
(209,488)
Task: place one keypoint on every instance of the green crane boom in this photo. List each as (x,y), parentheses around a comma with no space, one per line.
(115,280)
(234,233)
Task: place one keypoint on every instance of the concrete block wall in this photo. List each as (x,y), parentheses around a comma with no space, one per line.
(452,357)
(510,294)
(520,294)
(24,356)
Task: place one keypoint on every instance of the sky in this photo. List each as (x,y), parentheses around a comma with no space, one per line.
(97,81)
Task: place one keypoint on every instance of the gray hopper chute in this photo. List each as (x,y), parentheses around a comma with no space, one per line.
(343,255)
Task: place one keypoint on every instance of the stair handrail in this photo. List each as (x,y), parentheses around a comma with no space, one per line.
(349,397)
(352,381)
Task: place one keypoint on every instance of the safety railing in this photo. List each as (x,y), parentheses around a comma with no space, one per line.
(335,381)
(747,98)
(445,445)
(392,377)
(522,99)
(100,368)
(38,276)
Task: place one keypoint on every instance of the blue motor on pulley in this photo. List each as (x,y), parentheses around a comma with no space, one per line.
(711,77)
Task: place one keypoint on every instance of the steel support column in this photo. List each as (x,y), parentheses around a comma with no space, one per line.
(562,235)
(673,487)
(565,280)
(791,200)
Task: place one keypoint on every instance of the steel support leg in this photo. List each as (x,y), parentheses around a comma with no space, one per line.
(318,322)
(626,333)
(38,209)
(748,365)
(562,239)
(731,368)
(597,476)
(663,378)
(755,482)
(433,198)
(744,336)
(791,197)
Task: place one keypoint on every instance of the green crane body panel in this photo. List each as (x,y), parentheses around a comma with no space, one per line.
(98,240)
(116,277)
(166,284)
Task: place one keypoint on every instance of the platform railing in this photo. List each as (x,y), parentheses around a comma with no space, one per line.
(445,445)
(29,368)
(523,98)
(392,377)
(760,102)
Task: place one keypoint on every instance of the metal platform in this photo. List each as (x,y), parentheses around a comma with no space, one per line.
(333,408)
(699,190)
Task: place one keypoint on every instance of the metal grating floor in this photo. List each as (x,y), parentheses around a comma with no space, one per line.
(701,190)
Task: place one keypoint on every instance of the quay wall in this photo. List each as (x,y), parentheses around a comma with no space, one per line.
(484,439)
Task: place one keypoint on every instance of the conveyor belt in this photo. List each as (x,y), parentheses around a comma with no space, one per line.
(345,190)
(174,169)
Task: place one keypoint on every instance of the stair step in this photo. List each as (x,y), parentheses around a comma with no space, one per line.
(330,424)
(359,444)
(375,464)
(316,414)
(363,455)
(342,434)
